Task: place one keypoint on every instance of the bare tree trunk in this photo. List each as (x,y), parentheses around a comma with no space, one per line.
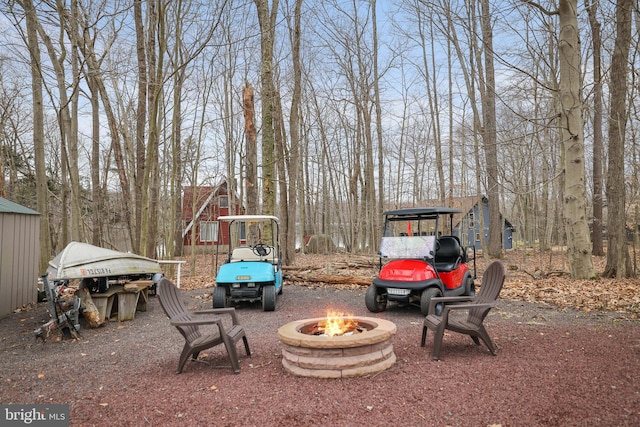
(618,262)
(38,132)
(283,163)
(578,242)
(490,138)
(141,122)
(551,194)
(68,134)
(151,164)
(598,151)
(377,208)
(293,160)
(252,154)
(77,229)
(267,20)
(462,190)
(175,229)
(96,190)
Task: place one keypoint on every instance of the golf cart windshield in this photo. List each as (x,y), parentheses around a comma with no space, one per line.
(250,232)
(252,237)
(407,247)
(409,237)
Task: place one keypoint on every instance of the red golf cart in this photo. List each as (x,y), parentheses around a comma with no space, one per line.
(417,262)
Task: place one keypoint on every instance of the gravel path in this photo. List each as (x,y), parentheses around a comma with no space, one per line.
(553,368)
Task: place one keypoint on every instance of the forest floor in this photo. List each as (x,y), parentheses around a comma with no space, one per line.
(568,355)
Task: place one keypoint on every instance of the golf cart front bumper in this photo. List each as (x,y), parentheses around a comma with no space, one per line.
(403,292)
(245,279)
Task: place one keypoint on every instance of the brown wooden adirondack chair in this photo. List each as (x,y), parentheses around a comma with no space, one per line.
(189,322)
(477,308)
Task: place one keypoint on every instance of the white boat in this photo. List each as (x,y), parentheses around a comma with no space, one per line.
(82,260)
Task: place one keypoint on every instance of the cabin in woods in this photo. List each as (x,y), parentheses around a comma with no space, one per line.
(201,207)
(475,220)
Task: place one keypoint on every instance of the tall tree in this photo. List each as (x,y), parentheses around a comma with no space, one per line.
(67,124)
(251,159)
(570,116)
(42,191)
(267,21)
(141,121)
(179,76)
(598,151)
(292,159)
(572,134)
(618,262)
(378,201)
(151,177)
(489,135)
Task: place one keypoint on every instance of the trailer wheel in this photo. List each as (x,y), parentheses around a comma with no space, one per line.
(375,299)
(219,297)
(269,298)
(425,300)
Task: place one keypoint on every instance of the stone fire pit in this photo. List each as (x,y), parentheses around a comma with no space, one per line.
(365,352)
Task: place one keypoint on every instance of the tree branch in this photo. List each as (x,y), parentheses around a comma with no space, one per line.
(540,8)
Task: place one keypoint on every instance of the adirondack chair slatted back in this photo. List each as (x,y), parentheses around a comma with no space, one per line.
(175,309)
(492,281)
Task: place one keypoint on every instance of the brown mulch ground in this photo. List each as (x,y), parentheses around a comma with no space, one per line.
(562,360)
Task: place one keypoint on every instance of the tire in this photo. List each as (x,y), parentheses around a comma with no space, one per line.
(470,289)
(425,300)
(269,298)
(219,297)
(375,299)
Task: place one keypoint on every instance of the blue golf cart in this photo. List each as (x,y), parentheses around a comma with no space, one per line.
(251,270)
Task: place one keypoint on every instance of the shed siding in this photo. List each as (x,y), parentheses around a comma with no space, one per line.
(19,255)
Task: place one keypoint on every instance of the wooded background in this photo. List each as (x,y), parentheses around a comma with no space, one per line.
(325,113)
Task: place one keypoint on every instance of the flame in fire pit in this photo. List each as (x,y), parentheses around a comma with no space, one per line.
(337,324)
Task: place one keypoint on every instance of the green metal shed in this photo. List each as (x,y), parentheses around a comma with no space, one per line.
(19,256)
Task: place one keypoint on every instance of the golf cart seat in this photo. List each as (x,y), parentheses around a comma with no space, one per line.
(244,254)
(448,254)
(247,254)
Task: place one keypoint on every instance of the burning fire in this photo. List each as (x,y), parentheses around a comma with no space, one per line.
(337,324)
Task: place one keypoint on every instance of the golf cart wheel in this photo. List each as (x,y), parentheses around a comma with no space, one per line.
(425,300)
(375,299)
(471,287)
(219,297)
(268,298)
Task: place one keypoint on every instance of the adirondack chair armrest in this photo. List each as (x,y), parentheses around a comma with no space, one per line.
(444,317)
(448,308)
(217,320)
(228,310)
(447,300)
(468,306)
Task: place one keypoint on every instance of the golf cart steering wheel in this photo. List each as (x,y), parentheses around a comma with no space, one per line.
(261,249)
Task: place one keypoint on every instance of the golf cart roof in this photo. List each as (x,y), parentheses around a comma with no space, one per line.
(248,218)
(409,213)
